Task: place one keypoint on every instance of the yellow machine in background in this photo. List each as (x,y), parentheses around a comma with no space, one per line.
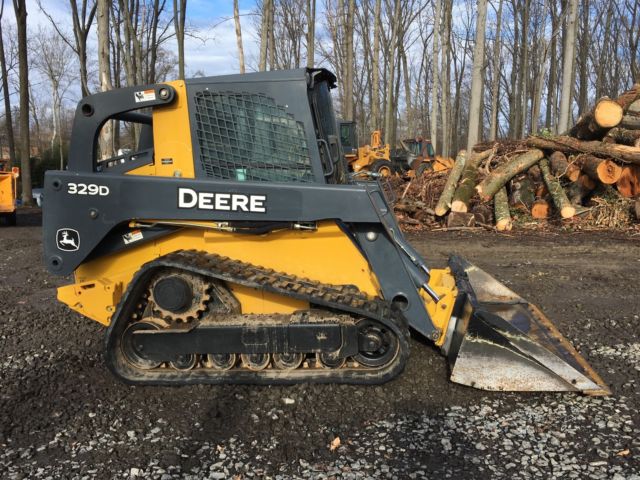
(8,193)
(374,157)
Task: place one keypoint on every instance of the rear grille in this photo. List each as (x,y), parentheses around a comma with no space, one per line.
(245,136)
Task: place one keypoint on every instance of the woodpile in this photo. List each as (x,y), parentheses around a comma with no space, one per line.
(592,170)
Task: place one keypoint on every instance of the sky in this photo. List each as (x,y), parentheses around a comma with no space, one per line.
(212,48)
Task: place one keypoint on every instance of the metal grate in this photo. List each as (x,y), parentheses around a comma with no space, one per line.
(245,136)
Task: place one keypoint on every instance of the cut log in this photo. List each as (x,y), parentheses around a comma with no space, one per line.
(629,99)
(541,190)
(631,121)
(579,190)
(570,144)
(599,169)
(501,210)
(460,219)
(500,176)
(556,191)
(623,136)
(534,173)
(522,190)
(559,163)
(540,209)
(594,125)
(483,213)
(444,202)
(466,187)
(629,182)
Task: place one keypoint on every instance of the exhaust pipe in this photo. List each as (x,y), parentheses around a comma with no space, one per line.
(496,340)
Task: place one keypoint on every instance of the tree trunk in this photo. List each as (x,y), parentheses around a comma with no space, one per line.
(393,41)
(11,140)
(570,144)
(20,10)
(179,17)
(500,176)
(495,81)
(348,112)
(477,78)
(236,18)
(568,67)
(444,75)
(501,210)
(264,36)
(311,33)
(444,203)
(272,35)
(375,68)
(605,171)
(594,125)
(560,199)
(553,71)
(435,74)
(104,67)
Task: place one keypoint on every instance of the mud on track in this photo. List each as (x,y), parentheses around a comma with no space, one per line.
(63,415)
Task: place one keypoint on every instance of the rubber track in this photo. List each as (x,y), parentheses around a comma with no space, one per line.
(345,298)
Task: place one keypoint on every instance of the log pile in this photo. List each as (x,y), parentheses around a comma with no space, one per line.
(591,171)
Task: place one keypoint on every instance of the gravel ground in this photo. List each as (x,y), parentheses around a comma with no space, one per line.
(62,415)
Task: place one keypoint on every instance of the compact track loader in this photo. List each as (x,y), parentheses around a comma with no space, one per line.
(232,246)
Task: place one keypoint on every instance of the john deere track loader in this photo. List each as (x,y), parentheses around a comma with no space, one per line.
(231,246)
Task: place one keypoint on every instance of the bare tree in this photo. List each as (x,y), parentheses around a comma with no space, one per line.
(82,17)
(568,67)
(11,143)
(477,82)
(20,10)
(53,59)
(236,17)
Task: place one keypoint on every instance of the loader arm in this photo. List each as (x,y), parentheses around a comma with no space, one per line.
(231,246)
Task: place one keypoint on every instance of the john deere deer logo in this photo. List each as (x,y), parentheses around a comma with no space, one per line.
(68,239)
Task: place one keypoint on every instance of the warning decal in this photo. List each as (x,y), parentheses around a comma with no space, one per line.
(145,95)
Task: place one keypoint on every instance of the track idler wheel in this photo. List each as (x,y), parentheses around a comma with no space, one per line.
(132,352)
(378,345)
(221,361)
(287,361)
(330,360)
(255,361)
(184,362)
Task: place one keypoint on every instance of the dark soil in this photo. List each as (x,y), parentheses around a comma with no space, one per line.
(63,414)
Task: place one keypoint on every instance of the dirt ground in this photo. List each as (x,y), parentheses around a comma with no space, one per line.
(62,414)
